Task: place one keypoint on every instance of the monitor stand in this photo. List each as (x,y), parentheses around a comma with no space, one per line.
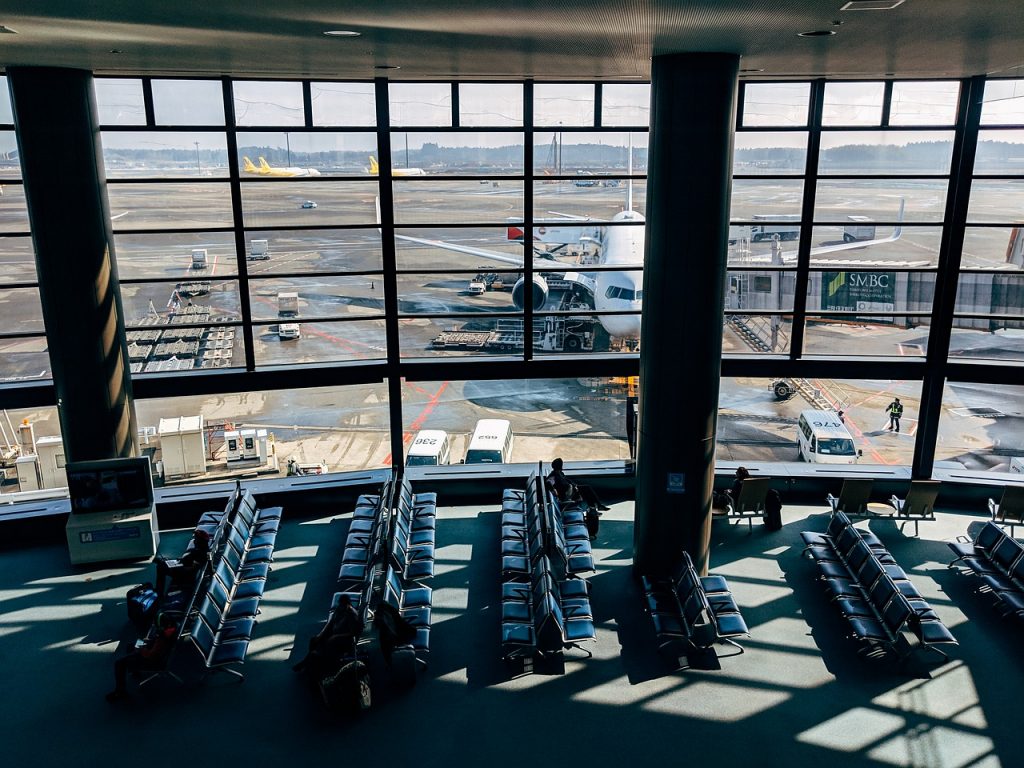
(95,537)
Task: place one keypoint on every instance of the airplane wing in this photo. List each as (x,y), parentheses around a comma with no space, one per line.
(505,258)
(822,249)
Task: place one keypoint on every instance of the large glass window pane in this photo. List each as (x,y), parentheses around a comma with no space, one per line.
(301,203)
(13,209)
(10,163)
(174,255)
(330,250)
(169,206)
(163,346)
(492,104)
(572,333)
(314,297)
(915,246)
(461,336)
(993,247)
(187,301)
(564,153)
(981,428)
(776,104)
(980,338)
(457,202)
(853,103)
(164,154)
(991,293)
(886,152)
(755,244)
(768,290)
(577,419)
(563,104)
(17,260)
(754,198)
(300,341)
(433,293)
(556,202)
(188,102)
(343,104)
(24,359)
(21,310)
(6,111)
(268,102)
(756,425)
(766,153)
(998,201)
(626,104)
(865,336)
(1004,103)
(465,248)
(746,334)
(563,243)
(119,101)
(1000,152)
(850,287)
(45,425)
(330,429)
(924,200)
(296,154)
(420,104)
(924,103)
(456,154)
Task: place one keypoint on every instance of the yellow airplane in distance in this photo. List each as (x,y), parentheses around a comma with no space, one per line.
(264,169)
(375,169)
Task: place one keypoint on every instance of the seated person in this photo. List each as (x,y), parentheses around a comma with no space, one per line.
(335,642)
(183,571)
(392,630)
(742,473)
(566,490)
(151,655)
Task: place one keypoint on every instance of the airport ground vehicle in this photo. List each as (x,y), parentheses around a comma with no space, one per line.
(823,439)
(259,250)
(476,287)
(783,388)
(550,334)
(780,226)
(859,228)
(430,448)
(491,442)
(288,304)
(200,260)
(309,204)
(288,331)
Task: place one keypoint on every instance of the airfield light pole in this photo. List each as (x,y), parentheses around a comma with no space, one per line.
(288,147)
(199,167)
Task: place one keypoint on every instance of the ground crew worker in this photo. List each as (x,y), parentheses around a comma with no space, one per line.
(895,411)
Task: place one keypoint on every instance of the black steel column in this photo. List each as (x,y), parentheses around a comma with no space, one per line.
(693,107)
(58,138)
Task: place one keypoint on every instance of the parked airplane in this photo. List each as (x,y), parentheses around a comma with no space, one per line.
(620,246)
(264,169)
(374,170)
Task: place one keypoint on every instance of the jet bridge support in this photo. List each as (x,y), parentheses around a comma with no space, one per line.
(693,98)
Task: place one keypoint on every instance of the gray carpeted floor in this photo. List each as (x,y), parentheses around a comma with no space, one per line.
(799,695)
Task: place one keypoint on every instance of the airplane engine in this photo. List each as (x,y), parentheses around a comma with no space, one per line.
(540,292)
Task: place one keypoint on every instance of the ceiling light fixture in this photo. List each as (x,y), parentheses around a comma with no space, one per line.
(387,66)
(872,5)
(817,33)
(116,51)
(342,33)
(5,30)
(749,71)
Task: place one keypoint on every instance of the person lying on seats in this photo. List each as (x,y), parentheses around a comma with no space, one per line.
(151,655)
(335,642)
(567,491)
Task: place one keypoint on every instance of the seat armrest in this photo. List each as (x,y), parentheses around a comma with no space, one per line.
(897,503)
(833,502)
(993,508)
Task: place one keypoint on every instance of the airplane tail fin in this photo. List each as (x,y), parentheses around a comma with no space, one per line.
(248,167)
(374,168)
(899,220)
(264,166)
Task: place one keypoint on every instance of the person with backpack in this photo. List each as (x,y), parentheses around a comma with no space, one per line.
(153,654)
(895,411)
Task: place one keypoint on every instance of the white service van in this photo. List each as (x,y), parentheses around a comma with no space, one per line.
(491,442)
(823,438)
(431,448)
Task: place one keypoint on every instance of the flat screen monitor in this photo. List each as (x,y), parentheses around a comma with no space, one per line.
(110,485)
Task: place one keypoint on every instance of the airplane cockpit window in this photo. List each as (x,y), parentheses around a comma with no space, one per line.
(618,292)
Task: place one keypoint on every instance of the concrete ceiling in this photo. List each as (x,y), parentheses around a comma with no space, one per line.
(499,39)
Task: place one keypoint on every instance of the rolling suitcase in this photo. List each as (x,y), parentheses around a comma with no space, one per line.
(142,603)
(348,690)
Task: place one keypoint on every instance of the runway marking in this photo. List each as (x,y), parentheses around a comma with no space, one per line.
(417,423)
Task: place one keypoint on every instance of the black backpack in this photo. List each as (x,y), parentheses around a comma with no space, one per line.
(772,510)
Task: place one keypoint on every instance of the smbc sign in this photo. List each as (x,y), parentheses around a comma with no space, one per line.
(859,292)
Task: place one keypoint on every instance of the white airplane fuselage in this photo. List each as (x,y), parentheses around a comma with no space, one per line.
(621,291)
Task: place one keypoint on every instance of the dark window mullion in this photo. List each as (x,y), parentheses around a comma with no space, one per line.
(528,186)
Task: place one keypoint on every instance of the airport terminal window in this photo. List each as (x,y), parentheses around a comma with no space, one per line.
(295,340)
(885,152)
(776,104)
(457,202)
(195,205)
(188,102)
(981,428)
(418,153)
(924,102)
(309,203)
(568,104)
(853,103)
(164,154)
(490,104)
(625,104)
(748,332)
(588,153)
(770,153)
(6,111)
(350,104)
(268,102)
(420,104)
(301,154)
(1003,103)
(120,101)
